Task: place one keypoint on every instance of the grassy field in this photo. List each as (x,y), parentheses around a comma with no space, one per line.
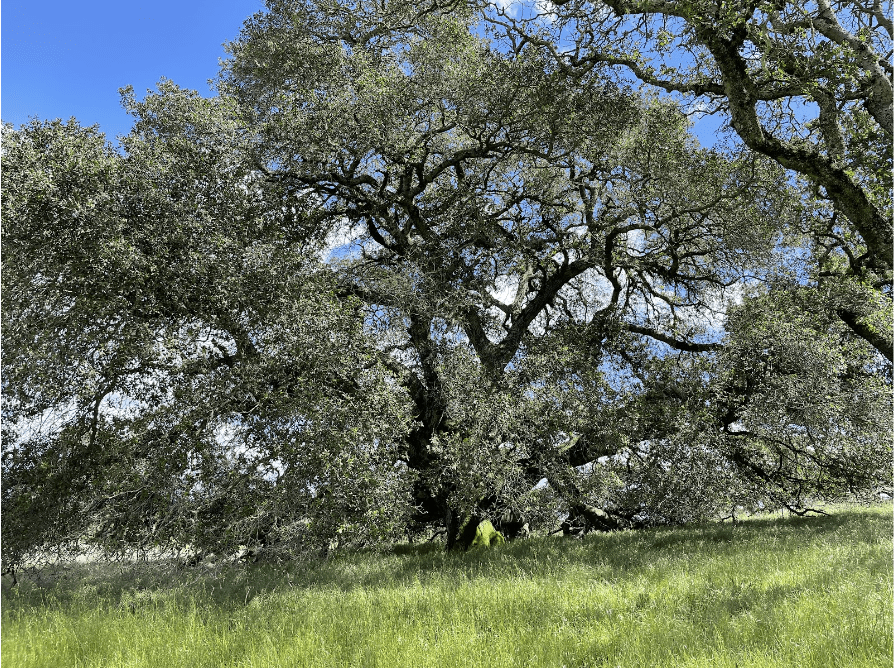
(767,592)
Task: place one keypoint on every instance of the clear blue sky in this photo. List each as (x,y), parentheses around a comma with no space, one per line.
(63,59)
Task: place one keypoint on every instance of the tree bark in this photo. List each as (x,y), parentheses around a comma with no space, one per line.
(880,342)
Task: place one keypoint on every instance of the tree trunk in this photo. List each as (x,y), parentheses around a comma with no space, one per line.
(452,522)
(461,530)
(511,525)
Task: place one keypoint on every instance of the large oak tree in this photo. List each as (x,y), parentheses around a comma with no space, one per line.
(395,276)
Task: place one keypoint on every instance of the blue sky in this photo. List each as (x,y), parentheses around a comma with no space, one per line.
(63,59)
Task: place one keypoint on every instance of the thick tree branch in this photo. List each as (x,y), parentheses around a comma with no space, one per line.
(678,344)
(880,341)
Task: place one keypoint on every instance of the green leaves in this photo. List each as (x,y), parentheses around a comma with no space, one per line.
(180,356)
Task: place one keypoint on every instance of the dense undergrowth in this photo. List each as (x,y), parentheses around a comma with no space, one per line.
(766,592)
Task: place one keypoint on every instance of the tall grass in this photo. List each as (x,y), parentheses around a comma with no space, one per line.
(767,592)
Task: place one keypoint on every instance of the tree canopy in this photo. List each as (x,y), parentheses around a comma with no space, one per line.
(808,85)
(418,266)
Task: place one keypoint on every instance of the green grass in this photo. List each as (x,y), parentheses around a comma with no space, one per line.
(768,592)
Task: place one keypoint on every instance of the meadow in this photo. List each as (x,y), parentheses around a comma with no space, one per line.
(769,591)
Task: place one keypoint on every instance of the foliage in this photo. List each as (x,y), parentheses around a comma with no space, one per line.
(811,412)
(808,85)
(162,379)
(398,277)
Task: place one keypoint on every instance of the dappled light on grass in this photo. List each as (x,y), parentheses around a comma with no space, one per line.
(766,592)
